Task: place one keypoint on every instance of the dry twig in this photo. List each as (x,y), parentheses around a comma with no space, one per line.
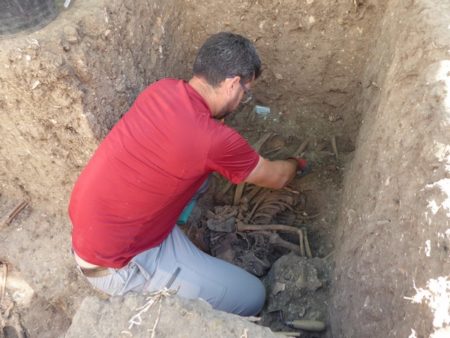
(245,333)
(4,276)
(272,151)
(301,243)
(291,190)
(334,146)
(252,319)
(329,255)
(13,214)
(238,193)
(301,148)
(307,247)
(151,300)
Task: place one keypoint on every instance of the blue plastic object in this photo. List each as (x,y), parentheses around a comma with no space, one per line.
(262,110)
(186,212)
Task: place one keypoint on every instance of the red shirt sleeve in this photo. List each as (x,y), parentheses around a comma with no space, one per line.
(231,155)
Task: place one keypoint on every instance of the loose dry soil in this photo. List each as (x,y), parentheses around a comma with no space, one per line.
(372,75)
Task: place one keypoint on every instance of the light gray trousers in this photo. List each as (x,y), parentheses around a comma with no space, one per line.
(179,265)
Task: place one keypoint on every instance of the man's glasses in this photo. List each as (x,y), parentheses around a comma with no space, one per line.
(248,95)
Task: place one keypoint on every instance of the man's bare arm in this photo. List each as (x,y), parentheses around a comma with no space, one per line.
(272,174)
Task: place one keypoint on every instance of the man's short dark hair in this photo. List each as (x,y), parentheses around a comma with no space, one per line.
(225,55)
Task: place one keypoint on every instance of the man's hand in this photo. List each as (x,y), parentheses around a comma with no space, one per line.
(272,174)
(303,167)
(277,174)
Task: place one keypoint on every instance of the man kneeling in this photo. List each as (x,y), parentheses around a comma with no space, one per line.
(126,202)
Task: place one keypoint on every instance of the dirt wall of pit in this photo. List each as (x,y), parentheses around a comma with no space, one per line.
(313,54)
(63,87)
(392,256)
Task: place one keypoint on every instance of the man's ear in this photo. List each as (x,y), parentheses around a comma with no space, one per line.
(233,83)
(237,81)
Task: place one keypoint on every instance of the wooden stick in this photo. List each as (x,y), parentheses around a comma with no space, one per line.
(334,146)
(276,154)
(258,145)
(4,275)
(22,205)
(301,148)
(238,193)
(329,255)
(252,319)
(287,334)
(307,247)
(271,151)
(291,190)
(301,243)
(307,324)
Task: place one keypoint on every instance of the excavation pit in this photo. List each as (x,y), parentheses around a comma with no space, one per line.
(365,82)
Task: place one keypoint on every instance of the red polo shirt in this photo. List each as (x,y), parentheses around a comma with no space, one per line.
(146,170)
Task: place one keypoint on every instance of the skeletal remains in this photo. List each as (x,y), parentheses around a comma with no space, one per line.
(256,211)
(258,220)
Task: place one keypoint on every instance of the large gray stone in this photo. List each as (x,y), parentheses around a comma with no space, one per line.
(175,317)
